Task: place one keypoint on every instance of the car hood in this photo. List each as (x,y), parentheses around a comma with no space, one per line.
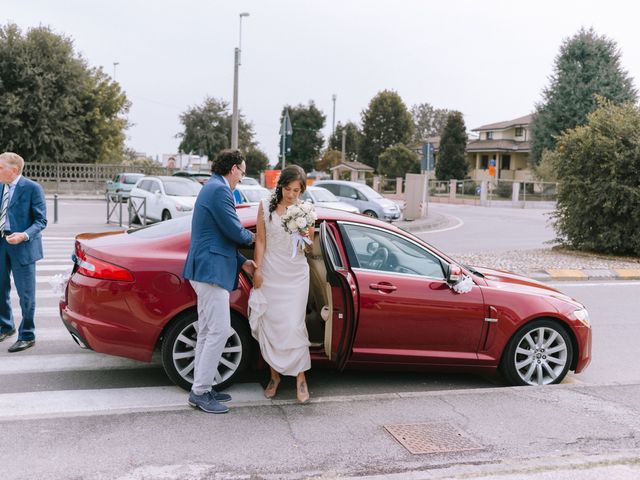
(386,203)
(339,206)
(517,283)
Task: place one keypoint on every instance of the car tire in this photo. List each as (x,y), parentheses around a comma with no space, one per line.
(178,351)
(370,213)
(539,353)
(166,215)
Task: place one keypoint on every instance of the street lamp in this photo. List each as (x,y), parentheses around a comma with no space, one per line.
(333,123)
(115,64)
(236,65)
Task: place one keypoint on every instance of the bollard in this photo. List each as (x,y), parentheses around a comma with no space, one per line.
(55,208)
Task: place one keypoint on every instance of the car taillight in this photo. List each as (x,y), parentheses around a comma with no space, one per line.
(95,268)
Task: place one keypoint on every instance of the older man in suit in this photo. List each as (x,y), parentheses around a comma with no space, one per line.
(23,215)
(212,267)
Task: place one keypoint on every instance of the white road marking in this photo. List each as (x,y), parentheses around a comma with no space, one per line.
(73,403)
(458,225)
(66,362)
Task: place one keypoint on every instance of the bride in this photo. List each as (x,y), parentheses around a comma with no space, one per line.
(280,288)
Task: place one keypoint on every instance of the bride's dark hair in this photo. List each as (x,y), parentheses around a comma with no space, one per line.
(288,175)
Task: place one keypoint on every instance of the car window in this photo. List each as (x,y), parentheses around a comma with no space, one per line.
(347,191)
(369,192)
(361,196)
(180,188)
(154,186)
(375,249)
(145,185)
(331,187)
(255,194)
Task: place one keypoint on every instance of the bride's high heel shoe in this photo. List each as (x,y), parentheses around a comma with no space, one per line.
(302,392)
(272,388)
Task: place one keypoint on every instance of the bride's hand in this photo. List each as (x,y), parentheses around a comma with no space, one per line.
(257,278)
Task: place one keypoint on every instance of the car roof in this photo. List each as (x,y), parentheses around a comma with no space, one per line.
(340,182)
(168,177)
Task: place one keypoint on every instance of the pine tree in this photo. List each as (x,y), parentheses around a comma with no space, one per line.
(452,163)
(587,66)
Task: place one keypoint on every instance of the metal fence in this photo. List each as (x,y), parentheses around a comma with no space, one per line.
(82,177)
(469,191)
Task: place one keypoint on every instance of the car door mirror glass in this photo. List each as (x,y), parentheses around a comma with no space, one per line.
(454,274)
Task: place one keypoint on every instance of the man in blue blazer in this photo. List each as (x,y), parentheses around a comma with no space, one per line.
(23,215)
(212,267)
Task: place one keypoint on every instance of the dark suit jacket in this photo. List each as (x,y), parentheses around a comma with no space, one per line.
(27,213)
(216,233)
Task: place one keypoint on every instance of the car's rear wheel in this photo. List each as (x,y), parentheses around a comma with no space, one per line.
(178,351)
(166,215)
(540,353)
(370,213)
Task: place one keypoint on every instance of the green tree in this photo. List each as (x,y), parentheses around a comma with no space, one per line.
(598,165)
(257,161)
(385,122)
(397,161)
(452,163)
(207,129)
(329,159)
(352,140)
(307,123)
(53,106)
(587,65)
(428,121)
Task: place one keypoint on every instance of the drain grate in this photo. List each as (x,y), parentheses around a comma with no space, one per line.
(432,438)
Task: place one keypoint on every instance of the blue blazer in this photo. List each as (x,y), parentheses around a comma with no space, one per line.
(216,233)
(27,213)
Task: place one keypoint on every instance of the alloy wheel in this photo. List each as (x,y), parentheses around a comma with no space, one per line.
(541,356)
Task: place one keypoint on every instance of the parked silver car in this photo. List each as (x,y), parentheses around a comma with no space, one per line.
(121,185)
(365,198)
(321,197)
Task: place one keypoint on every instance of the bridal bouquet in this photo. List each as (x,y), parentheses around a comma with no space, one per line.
(296,221)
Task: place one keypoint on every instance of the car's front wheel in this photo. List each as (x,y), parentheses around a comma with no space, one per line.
(540,353)
(370,213)
(179,349)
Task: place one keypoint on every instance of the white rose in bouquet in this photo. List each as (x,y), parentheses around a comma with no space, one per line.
(302,222)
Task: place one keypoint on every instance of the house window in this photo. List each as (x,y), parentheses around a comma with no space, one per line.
(506,162)
(489,135)
(519,132)
(484,162)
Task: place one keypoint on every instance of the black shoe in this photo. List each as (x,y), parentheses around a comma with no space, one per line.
(7,334)
(21,345)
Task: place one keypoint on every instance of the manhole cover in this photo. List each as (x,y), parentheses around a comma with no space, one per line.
(432,438)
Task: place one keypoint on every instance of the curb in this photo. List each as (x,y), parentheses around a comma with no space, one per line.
(552,274)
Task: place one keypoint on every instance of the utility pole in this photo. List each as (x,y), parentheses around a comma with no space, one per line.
(115,64)
(236,69)
(333,123)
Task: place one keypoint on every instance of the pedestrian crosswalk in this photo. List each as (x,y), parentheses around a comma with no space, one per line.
(56,357)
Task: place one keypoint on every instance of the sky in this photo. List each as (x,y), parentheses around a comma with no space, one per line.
(488,59)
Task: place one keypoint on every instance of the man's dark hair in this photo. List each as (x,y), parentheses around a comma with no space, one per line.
(225,160)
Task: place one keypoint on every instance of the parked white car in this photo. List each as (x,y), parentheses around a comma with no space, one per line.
(321,197)
(166,197)
(249,194)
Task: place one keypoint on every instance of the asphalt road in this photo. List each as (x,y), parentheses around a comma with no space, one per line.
(71,413)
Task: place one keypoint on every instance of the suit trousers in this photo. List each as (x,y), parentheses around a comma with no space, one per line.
(213,328)
(24,277)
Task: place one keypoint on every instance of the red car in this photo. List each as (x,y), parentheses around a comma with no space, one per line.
(379,298)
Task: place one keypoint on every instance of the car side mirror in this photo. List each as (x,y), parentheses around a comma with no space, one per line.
(454,274)
(157,192)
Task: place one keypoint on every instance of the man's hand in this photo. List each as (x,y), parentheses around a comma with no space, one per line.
(249,267)
(16,238)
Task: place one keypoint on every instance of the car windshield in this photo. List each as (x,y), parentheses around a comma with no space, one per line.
(181,188)
(131,179)
(323,195)
(369,192)
(255,194)
(249,181)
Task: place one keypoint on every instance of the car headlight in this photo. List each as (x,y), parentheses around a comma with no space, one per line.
(581,315)
(183,208)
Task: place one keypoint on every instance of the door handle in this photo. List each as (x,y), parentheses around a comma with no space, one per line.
(383,287)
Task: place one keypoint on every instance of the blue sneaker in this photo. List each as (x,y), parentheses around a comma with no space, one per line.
(207,403)
(220,397)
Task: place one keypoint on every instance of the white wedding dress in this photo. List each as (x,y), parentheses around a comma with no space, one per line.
(278,307)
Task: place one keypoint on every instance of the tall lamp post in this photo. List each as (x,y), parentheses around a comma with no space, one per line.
(333,122)
(236,67)
(115,64)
